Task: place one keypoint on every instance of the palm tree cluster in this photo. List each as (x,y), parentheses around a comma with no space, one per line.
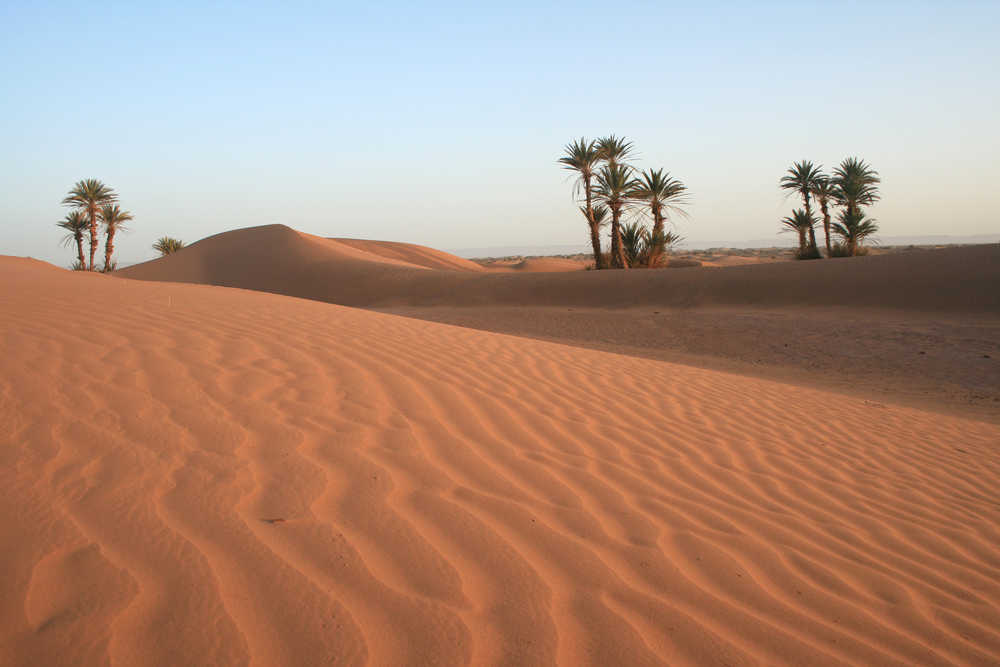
(613,189)
(93,203)
(852,186)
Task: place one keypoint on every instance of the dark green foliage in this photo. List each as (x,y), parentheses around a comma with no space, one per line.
(166,245)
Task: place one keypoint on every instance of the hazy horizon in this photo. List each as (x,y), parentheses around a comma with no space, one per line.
(442,125)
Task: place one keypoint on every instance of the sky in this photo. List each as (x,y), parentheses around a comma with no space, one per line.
(441,123)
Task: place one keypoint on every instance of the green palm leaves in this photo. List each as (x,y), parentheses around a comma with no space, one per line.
(582,157)
(853,228)
(166,245)
(76,224)
(853,185)
(113,219)
(800,179)
(614,183)
(663,194)
(613,188)
(94,202)
(801,222)
(89,196)
(823,191)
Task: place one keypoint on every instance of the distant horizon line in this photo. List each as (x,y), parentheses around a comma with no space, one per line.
(573,248)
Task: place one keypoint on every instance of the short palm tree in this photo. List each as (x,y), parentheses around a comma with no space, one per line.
(801,223)
(166,245)
(853,227)
(582,157)
(614,182)
(113,219)
(823,190)
(75,223)
(855,184)
(89,196)
(634,236)
(663,194)
(801,179)
(614,150)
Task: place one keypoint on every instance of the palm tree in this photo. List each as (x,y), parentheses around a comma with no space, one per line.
(76,224)
(823,189)
(614,150)
(614,182)
(801,223)
(634,236)
(663,194)
(582,157)
(853,227)
(656,246)
(855,184)
(114,220)
(801,178)
(90,195)
(166,245)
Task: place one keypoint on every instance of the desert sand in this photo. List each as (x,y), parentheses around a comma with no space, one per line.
(195,474)
(920,328)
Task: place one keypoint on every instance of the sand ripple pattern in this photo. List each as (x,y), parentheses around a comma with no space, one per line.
(200,475)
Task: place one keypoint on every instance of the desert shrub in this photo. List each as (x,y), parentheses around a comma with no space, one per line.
(839,249)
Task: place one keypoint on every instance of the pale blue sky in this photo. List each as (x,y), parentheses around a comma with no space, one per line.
(440,124)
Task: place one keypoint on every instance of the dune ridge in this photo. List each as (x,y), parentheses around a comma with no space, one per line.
(197,475)
(278,259)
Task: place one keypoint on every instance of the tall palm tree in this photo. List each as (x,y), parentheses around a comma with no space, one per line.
(853,227)
(166,245)
(614,150)
(113,219)
(855,185)
(582,157)
(90,195)
(76,224)
(614,182)
(663,194)
(801,222)
(823,189)
(801,179)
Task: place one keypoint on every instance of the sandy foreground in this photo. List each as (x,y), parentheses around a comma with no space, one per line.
(192,474)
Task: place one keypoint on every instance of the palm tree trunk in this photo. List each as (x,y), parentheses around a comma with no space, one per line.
(79,250)
(93,236)
(826,225)
(109,248)
(617,249)
(812,232)
(595,232)
(655,252)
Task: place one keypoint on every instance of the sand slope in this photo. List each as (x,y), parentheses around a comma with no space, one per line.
(196,475)
(278,259)
(410,253)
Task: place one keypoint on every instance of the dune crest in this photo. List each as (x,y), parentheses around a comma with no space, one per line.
(197,475)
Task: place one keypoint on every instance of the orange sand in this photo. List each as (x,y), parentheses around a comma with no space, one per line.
(200,475)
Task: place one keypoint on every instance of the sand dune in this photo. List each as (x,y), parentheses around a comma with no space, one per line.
(197,475)
(540,265)
(410,253)
(288,262)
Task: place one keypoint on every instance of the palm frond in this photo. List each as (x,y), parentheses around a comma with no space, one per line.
(166,245)
(614,150)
